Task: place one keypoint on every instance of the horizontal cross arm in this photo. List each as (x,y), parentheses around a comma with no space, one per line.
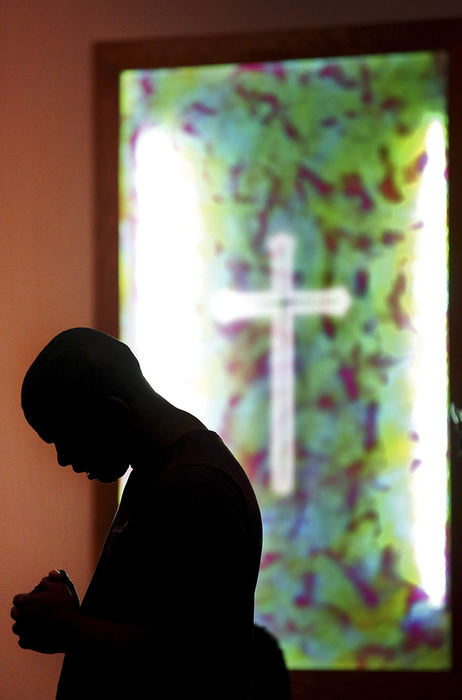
(331,302)
(230,305)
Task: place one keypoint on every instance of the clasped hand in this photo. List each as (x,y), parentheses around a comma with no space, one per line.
(44,617)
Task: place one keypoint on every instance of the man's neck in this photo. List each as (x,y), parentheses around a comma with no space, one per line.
(158,424)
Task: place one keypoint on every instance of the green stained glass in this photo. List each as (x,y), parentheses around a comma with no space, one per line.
(283,275)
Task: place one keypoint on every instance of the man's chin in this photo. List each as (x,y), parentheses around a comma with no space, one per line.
(107,478)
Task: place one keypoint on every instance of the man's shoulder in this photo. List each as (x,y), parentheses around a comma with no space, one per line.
(198,468)
(202,459)
(199,471)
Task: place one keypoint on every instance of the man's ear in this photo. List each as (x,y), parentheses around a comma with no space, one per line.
(118,412)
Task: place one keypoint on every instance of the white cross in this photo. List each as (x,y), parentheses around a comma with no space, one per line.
(280,304)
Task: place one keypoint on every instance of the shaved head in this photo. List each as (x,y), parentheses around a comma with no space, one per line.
(77,366)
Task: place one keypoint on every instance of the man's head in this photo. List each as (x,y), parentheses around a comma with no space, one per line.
(77,394)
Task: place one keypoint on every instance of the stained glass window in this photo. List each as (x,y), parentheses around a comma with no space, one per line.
(283,276)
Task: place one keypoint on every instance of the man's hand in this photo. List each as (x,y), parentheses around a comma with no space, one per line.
(44,617)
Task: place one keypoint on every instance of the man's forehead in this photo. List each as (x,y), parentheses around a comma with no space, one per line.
(51,424)
(47,430)
(65,421)
(46,436)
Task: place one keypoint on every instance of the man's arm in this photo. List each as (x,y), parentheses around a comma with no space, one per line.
(48,620)
(87,632)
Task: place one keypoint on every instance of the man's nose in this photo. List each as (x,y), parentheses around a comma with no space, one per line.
(62,457)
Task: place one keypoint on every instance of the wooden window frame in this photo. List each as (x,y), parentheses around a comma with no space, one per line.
(109,60)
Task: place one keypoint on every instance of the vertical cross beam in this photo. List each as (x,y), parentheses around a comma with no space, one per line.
(282,366)
(280,304)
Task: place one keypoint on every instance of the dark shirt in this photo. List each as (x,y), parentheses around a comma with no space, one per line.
(182,557)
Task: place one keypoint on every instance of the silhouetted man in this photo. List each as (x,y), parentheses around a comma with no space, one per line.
(169,610)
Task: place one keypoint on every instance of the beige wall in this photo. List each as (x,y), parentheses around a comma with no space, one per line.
(46,249)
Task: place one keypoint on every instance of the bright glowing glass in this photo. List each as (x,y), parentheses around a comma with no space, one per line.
(167,202)
(430,406)
(323,367)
